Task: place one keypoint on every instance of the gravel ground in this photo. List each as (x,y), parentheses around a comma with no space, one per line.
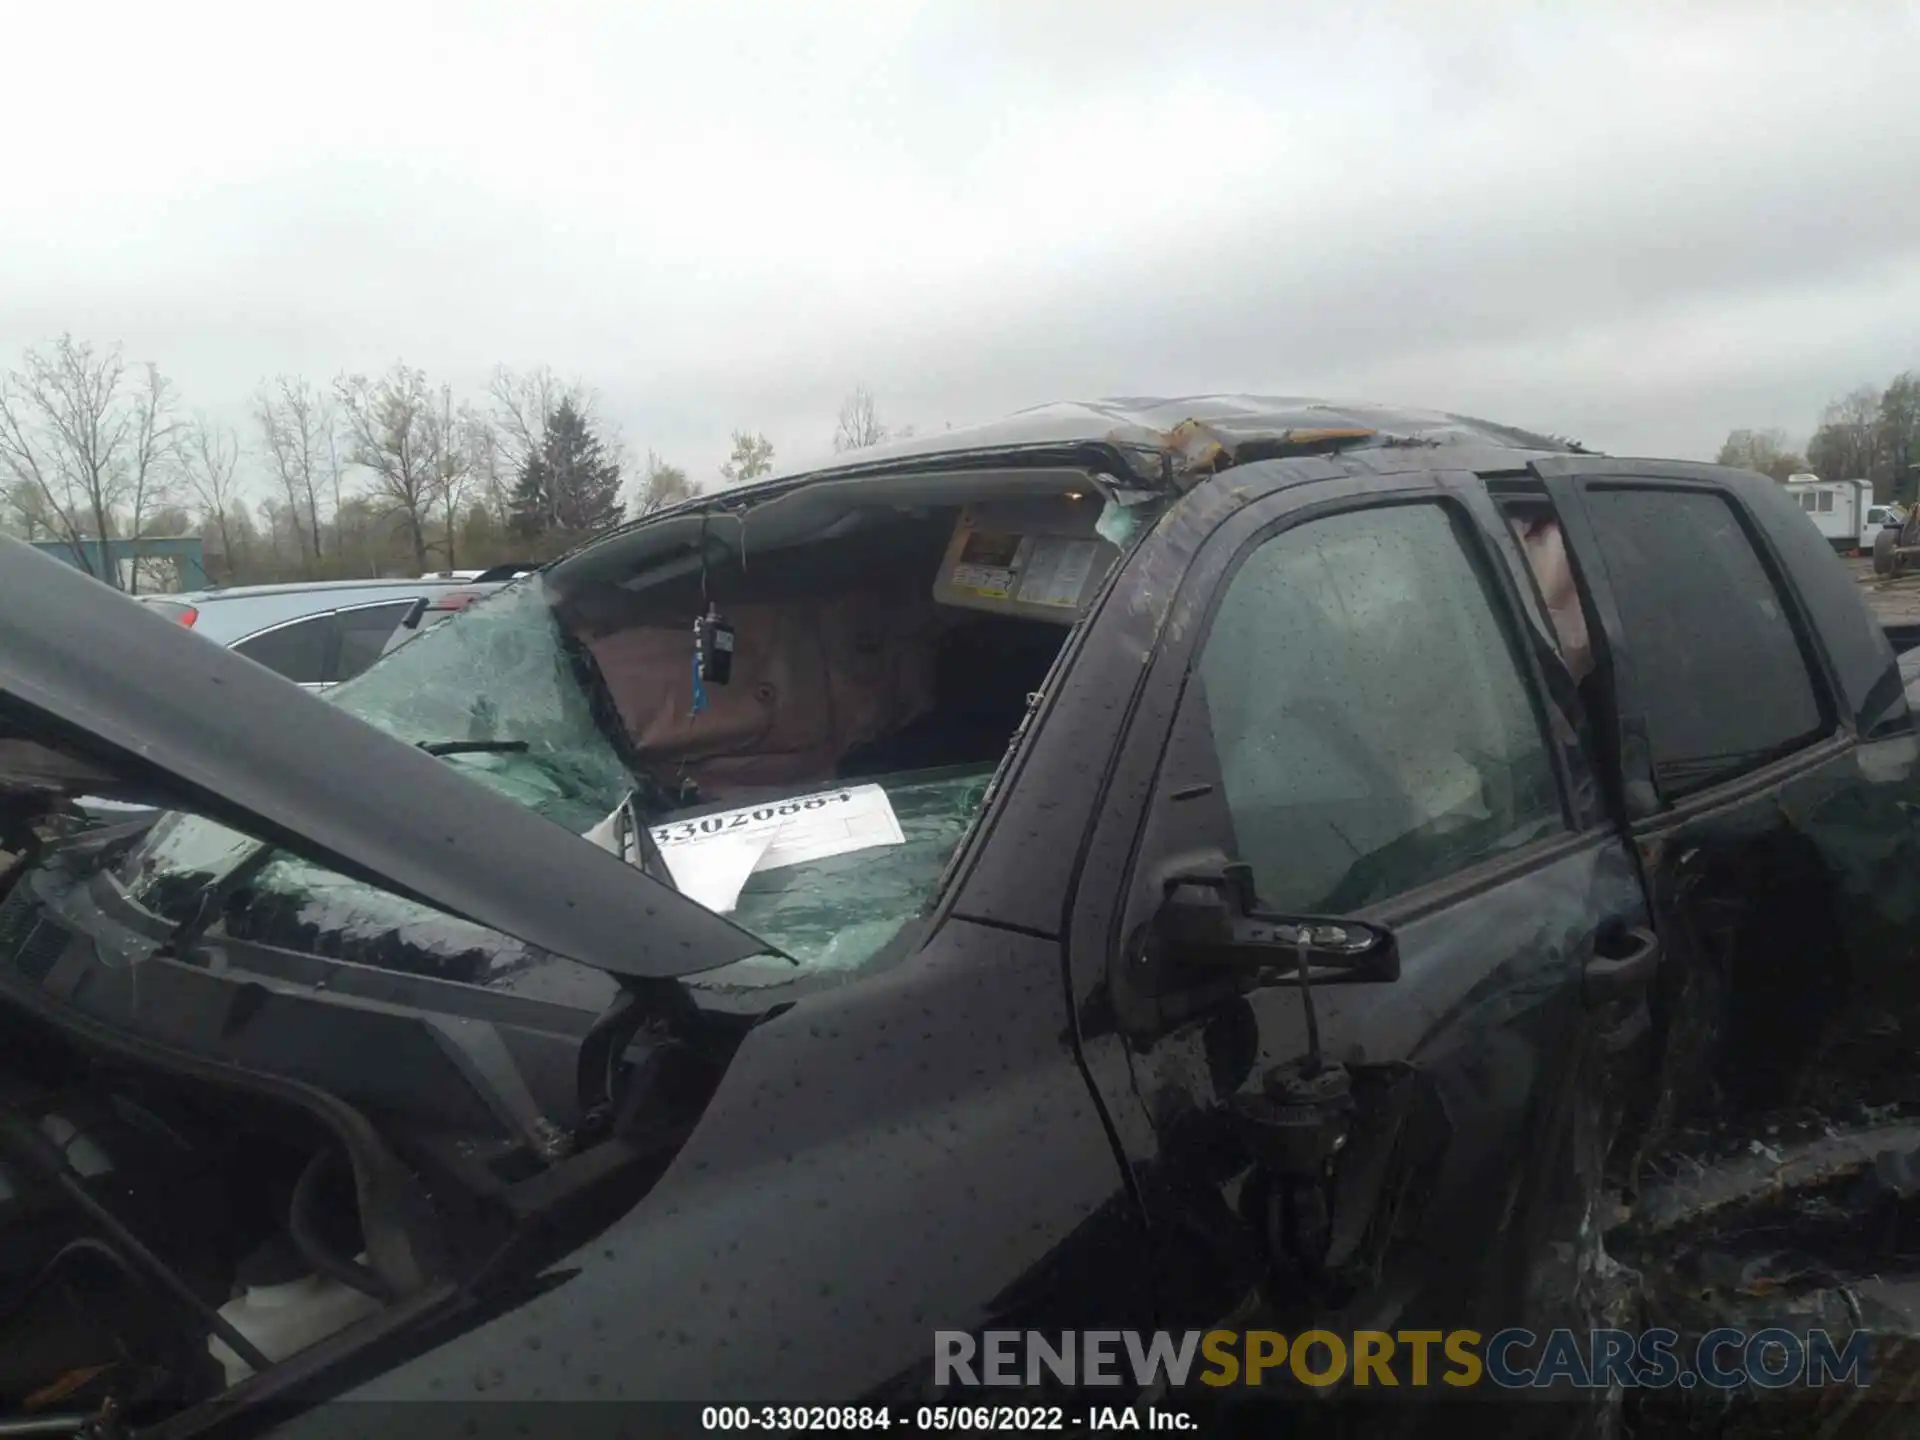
(1893,601)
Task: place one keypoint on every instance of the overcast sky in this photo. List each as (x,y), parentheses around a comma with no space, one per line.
(1639,225)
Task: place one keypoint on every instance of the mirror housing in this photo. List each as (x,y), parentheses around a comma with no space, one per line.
(1209,918)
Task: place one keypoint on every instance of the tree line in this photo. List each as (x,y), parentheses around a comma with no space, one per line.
(389,474)
(1867,434)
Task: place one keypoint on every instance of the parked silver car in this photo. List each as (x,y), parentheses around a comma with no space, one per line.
(317,633)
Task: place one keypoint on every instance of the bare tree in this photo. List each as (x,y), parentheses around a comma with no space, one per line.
(389,424)
(752,457)
(153,464)
(450,441)
(296,425)
(336,457)
(242,536)
(27,511)
(492,475)
(521,403)
(89,439)
(662,485)
(1899,431)
(337,468)
(1768,451)
(211,460)
(860,425)
(269,514)
(1847,444)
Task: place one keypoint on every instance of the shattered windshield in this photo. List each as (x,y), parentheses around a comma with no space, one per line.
(505,673)
(835,913)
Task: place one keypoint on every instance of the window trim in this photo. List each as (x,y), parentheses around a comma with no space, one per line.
(1629,689)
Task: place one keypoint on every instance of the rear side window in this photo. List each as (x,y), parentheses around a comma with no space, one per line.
(298,650)
(1721,676)
(363,636)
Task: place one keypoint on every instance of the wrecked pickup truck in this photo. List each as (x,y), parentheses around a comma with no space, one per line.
(1132,866)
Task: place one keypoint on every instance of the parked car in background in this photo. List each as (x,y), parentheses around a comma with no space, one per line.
(490,574)
(316,633)
(430,610)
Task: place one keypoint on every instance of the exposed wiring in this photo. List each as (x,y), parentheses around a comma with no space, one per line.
(705,519)
(706,607)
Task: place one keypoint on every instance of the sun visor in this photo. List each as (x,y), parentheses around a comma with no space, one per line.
(1032,558)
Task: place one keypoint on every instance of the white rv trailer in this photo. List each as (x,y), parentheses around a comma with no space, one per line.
(1841,510)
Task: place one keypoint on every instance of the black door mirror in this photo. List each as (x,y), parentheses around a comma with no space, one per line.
(1210,918)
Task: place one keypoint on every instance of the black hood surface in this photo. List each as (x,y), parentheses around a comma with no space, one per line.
(100,695)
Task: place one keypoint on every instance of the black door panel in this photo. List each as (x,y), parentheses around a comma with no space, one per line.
(1778,845)
(1407,770)
(1487,1023)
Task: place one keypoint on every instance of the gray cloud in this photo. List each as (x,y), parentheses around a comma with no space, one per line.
(1642,225)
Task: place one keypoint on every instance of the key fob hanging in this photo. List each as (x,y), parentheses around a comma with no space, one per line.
(713,647)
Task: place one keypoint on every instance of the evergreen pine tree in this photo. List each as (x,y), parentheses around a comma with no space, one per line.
(570,483)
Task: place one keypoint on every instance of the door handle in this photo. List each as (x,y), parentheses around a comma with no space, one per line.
(1624,961)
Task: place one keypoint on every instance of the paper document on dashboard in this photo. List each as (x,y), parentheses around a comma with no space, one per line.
(710,857)
(714,874)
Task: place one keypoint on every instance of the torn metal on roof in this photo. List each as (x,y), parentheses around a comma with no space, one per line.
(1168,443)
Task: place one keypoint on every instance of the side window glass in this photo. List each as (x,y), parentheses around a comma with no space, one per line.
(1372,722)
(363,635)
(1722,680)
(298,650)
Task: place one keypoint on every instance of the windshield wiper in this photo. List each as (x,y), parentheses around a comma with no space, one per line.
(474,747)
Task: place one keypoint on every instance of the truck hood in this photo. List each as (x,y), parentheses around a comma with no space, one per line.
(103,696)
